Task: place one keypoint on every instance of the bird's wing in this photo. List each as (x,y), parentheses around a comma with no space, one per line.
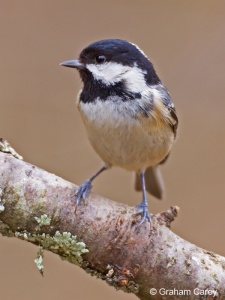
(157,110)
(173,116)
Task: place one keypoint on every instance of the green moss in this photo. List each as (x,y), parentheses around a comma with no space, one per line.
(38,205)
(65,244)
(39,260)
(42,221)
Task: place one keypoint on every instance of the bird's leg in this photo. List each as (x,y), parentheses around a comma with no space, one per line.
(143,206)
(85,188)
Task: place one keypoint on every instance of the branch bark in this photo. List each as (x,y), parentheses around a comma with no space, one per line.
(135,259)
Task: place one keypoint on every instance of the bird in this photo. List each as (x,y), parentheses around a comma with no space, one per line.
(128,114)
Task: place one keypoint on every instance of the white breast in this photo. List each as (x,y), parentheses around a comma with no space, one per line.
(118,135)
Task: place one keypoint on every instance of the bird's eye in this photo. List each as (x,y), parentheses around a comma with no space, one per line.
(100,59)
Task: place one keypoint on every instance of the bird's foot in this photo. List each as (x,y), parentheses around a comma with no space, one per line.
(143,208)
(82,192)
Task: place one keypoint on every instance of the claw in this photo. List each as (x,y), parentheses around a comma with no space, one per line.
(142,208)
(82,192)
(85,188)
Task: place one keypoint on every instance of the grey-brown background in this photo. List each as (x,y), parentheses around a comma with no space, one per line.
(185,40)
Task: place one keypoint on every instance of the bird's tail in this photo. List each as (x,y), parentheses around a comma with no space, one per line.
(153,181)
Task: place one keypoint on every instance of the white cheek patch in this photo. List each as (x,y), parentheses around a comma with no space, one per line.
(135,80)
(110,73)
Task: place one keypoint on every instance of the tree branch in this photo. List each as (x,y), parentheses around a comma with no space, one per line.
(36,206)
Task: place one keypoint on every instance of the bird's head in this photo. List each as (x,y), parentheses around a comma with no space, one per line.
(109,62)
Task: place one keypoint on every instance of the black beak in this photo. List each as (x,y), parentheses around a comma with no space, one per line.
(73,64)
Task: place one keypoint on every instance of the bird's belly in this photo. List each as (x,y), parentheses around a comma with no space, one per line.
(124,142)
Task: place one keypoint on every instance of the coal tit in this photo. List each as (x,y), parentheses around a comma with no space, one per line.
(128,114)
